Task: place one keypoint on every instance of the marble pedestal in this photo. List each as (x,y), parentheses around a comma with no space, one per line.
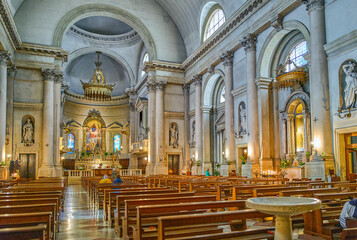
(58,171)
(247,170)
(46,171)
(295,173)
(149,170)
(160,168)
(226,169)
(315,170)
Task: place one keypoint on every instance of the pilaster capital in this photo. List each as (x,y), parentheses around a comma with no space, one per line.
(197,79)
(160,86)
(132,107)
(11,71)
(49,74)
(131,92)
(227,58)
(186,89)
(58,77)
(5,57)
(313,4)
(150,86)
(249,43)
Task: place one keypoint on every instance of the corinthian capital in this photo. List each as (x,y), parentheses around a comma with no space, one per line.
(160,86)
(311,4)
(249,43)
(11,71)
(197,79)
(58,77)
(227,58)
(5,57)
(131,92)
(186,89)
(49,74)
(151,87)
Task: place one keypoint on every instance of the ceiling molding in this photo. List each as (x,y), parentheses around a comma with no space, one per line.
(8,20)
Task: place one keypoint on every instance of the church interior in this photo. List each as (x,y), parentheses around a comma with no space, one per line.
(178,119)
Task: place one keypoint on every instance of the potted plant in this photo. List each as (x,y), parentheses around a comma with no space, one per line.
(243,158)
(111,154)
(323,156)
(198,163)
(218,165)
(229,162)
(284,163)
(3,164)
(82,154)
(88,154)
(307,154)
(216,173)
(106,155)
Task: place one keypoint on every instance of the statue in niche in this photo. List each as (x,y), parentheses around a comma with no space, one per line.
(193,131)
(27,133)
(141,131)
(173,135)
(242,119)
(350,90)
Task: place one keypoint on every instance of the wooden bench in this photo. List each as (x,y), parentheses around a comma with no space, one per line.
(274,191)
(27,219)
(307,192)
(147,215)
(29,232)
(349,234)
(130,210)
(184,223)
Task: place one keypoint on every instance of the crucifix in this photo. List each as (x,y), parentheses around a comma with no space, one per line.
(315,119)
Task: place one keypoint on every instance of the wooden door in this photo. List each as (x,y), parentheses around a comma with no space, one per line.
(351,155)
(27,165)
(174,164)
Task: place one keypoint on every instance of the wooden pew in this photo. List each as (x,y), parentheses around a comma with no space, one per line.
(182,222)
(273,191)
(29,232)
(307,192)
(349,234)
(145,215)
(27,219)
(246,191)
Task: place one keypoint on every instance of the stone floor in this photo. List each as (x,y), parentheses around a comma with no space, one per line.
(80,221)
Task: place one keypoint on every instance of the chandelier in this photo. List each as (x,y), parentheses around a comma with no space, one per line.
(97,89)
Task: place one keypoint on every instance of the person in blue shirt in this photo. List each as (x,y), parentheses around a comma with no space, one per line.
(208,173)
(118,180)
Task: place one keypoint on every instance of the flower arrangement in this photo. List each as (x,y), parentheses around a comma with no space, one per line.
(3,164)
(284,163)
(198,163)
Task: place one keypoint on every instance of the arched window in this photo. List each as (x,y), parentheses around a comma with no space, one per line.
(145,59)
(216,18)
(221,97)
(296,56)
(70,142)
(116,143)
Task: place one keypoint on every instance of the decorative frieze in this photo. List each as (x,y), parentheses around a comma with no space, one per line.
(227,58)
(151,87)
(311,4)
(249,43)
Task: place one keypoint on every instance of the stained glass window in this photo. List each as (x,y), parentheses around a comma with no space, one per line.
(222,99)
(145,59)
(116,143)
(70,142)
(216,20)
(296,55)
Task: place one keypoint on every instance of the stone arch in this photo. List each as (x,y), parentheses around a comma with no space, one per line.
(300,97)
(103,10)
(209,86)
(104,51)
(272,42)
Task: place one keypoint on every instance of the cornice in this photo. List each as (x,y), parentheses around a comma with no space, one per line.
(34,49)
(8,20)
(240,91)
(175,115)
(229,26)
(27,106)
(163,66)
(80,99)
(341,44)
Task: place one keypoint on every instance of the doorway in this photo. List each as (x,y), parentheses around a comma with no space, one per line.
(174,164)
(351,155)
(27,165)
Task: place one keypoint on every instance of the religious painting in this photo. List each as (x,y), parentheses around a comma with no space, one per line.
(348,84)
(93,136)
(70,143)
(116,143)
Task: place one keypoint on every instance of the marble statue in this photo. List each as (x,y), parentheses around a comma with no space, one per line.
(193,131)
(27,133)
(173,135)
(242,118)
(351,84)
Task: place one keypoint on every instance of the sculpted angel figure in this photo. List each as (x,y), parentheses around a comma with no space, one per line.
(351,84)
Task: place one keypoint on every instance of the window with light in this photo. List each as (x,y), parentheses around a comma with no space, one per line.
(70,142)
(145,59)
(116,143)
(216,19)
(222,98)
(296,55)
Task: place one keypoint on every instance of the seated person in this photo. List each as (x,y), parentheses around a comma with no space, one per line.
(105,179)
(349,210)
(208,173)
(118,180)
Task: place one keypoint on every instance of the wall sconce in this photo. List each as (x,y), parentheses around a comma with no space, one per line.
(141,149)
(344,115)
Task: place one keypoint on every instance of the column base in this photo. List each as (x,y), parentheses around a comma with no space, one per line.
(46,171)
(226,169)
(160,168)
(315,170)
(247,170)
(149,170)
(58,171)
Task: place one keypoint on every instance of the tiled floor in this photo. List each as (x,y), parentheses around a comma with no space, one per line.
(80,221)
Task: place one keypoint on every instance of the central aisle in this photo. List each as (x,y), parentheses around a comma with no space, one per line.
(79,221)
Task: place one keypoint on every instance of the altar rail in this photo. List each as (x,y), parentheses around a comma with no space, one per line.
(74,176)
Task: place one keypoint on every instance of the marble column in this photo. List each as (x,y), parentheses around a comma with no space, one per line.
(276,124)
(198,118)
(249,43)
(161,164)
(319,84)
(265,125)
(151,88)
(207,162)
(186,139)
(57,122)
(46,168)
(11,72)
(4,59)
(227,59)
(291,136)
(134,126)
